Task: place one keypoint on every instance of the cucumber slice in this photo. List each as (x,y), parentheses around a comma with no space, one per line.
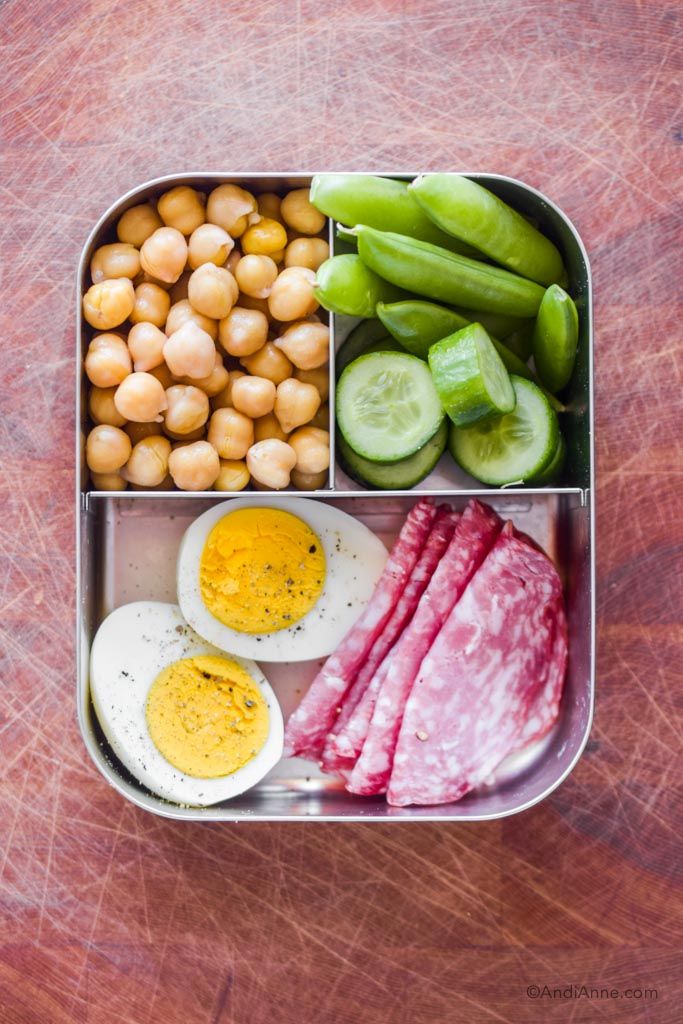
(367,336)
(554,467)
(387,406)
(470,376)
(395,476)
(513,448)
(556,337)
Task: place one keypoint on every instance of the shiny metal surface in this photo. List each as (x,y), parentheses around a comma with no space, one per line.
(127,544)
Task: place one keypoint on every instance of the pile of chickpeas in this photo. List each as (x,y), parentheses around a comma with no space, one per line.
(209,365)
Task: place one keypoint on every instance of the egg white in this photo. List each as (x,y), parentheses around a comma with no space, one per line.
(354,560)
(131,647)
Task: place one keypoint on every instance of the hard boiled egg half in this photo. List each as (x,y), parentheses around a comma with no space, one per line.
(279,581)
(192,723)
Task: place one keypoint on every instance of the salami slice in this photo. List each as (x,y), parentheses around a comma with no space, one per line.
(345,741)
(546,707)
(474,536)
(309,724)
(475,687)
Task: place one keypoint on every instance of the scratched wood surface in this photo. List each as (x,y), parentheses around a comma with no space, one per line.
(110,915)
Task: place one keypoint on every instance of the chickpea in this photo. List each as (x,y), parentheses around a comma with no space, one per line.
(233,476)
(295,403)
(189,438)
(190,352)
(146,346)
(249,302)
(268,205)
(269,362)
(306,344)
(268,426)
(106,449)
(108,482)
(307,252)
(137,224)
(230,207)
(140,398)
(109,303)
(232,261)
(319,378)
(254,396)
(163,375)
(188,409)
(136,431)
(194,467)
(243,331)
(291,297)
(231,433)
(209,243)
(148,462)
(107,361)
(223,400)
(309,481)
(183,312)
(212,291)
(102,409)
(312,448)
(163,254)
(299,213)
(117,260)
(255,275)
(152,304)
(264,238)
(178,290)
(216,381)
(182,208)
(270,462)
(321,418)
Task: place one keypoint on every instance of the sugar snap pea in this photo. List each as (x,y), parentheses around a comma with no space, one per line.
(496,323)
(383,203)
(471,213)
(445,276)
(556,336)
(345,284)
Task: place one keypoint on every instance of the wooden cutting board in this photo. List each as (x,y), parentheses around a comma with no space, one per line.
(110,916)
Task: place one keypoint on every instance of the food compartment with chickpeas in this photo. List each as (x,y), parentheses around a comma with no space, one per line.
(206,355)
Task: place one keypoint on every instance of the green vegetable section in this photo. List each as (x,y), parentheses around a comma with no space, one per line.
(472,214)
(470,377)
(387,406)
(444,276)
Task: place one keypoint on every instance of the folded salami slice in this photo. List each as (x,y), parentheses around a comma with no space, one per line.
(546,707)
(476,686)
(474,536)
(308,726)
(346,739)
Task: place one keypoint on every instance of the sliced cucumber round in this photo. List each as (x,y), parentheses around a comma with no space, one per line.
(394,476)
(470,376)
(513,448)
(387,406)
(367,336)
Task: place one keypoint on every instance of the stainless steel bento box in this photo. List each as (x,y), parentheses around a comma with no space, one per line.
(127,544)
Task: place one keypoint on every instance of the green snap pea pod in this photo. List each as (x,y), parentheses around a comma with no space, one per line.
(556,336)
(520,341)
(417,325)
(345,284)
(495,323)
(383,203)
(445,276)
(474,215)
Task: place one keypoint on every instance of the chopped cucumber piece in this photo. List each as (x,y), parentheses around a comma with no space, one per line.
(470,376)
(387,406)
(394,476)
(514,448)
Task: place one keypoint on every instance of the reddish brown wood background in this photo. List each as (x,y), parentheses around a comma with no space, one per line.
(110,915)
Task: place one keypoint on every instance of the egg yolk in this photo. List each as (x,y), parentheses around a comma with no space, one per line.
(206,716)
(261,570)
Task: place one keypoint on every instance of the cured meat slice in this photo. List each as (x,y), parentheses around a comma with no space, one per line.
(309,724)
(546,707)
(475,687)
(345,741)
(474,536)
